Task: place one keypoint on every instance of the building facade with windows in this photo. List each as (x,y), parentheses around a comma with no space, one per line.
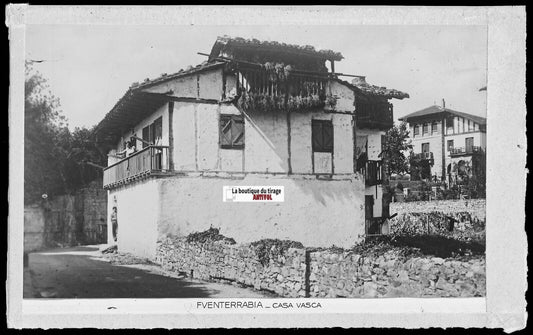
(254,114)
(450,141)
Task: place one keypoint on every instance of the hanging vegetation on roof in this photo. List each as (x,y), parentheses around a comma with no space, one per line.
(277,103)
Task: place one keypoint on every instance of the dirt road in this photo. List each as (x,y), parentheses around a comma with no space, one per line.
(82,272)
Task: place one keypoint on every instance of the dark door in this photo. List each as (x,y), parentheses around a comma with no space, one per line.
(369,214)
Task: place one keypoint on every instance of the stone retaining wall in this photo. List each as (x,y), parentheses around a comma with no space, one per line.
(307,273)
(433,217)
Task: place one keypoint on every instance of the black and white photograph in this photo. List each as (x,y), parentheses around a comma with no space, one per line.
(258,167)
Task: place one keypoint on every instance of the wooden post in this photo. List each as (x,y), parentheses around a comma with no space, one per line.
(170,154)
(332,66)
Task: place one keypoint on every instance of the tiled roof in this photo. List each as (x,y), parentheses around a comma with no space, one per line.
(227,41)
(361,84)
(124,111)
(181,73)
(432,110)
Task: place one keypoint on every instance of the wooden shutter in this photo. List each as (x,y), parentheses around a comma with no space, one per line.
(237,132)
(146,135)
(158,128)
(316,133)
(322,135)
(231,132)
(327,131)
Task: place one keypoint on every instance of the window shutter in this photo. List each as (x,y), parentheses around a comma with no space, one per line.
(327,130)
(146,135)
(316,135)
(231,132)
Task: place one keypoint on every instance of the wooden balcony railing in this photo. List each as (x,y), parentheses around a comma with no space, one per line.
(372,172)
(374,115)
(259,81)
(140,164)
(465,151)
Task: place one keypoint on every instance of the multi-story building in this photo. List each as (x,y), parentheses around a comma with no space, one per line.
(450,141)
(255,113)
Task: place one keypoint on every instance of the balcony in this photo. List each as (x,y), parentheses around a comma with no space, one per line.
(265,83)
(372,172)
(464,151)
(148,161)
(375,116)
(424,156)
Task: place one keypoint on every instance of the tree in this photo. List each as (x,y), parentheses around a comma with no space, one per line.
(53,156)
(396,143)
(43,127)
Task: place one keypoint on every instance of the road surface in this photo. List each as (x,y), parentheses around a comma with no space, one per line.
(82,272)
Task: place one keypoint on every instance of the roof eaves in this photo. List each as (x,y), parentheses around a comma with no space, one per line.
(303,49)
(375,90)
(181,73)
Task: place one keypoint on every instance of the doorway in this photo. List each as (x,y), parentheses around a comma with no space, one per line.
(370,223)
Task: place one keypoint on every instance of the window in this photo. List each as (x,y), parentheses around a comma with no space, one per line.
(434,128)
(449,126)
(153,132)
(231,131)
(425,129)
(416,130)
(470,125)
(469,144)
(425,147)
(450,145)
(322,136)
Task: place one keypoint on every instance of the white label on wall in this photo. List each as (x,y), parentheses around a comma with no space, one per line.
(253,194)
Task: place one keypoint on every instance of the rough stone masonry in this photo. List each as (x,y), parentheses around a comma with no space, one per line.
(306,273)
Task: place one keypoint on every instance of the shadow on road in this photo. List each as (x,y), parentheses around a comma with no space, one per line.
(80,273)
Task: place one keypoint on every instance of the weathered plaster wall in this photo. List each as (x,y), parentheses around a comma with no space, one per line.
(186,87)
(374,142)
(202,85)
(315,212)
(33,228)
(196,142)
(184,133)
(207,137)
(266,142)
(343,138)
(138,211)
(302,158)
(210,85)
(345,97)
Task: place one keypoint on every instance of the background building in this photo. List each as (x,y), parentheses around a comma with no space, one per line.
(449,141)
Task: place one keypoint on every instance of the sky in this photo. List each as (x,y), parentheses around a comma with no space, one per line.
(90,67)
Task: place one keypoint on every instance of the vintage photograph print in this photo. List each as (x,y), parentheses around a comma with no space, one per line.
(184,161)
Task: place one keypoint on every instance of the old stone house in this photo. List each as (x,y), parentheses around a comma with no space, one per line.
(254,113)
(452,142)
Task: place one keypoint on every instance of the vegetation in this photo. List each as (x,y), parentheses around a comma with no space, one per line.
(54,157)
(210,235)
(396,143)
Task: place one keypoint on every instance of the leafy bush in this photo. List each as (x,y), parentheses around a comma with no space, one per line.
(210,235)
(267,249)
